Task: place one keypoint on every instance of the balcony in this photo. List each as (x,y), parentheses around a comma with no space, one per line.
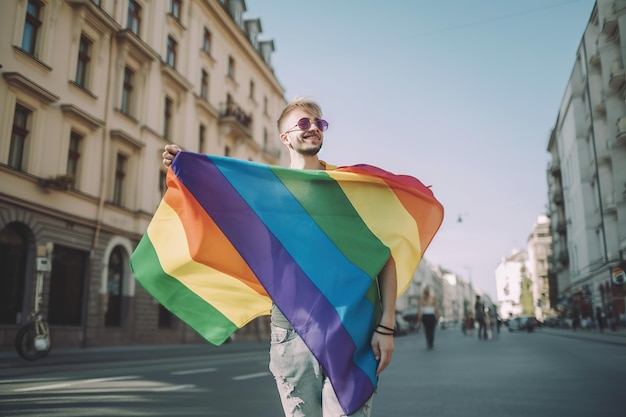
(604,152)
(610,27)
(556,189)
(621,129)
(555,167)
(235,122)
(610,207)
(60,182)
(563,257)
(617,78)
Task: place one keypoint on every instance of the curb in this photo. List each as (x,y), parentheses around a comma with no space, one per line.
(64,356)
(611,337)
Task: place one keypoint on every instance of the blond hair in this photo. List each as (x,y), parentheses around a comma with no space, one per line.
(303,103)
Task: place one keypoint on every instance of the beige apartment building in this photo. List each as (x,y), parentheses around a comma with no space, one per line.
(539,250)
(90,93)
(587,172)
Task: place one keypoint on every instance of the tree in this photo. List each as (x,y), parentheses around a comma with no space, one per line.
(526,294)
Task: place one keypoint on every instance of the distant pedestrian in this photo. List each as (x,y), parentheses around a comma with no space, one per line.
(492,321)
(611,318)
(600,319)
(576,322)
(428,315)
(479,313)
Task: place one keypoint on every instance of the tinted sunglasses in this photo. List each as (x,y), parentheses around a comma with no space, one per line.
(305,124)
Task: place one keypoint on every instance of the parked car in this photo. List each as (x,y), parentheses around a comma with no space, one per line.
(513,324)
(528,323)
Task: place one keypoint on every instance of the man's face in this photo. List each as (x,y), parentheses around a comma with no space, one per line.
(305,142)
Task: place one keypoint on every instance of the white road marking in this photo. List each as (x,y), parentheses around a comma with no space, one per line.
(70,383)
(174,388)
(250,376)
(193,371)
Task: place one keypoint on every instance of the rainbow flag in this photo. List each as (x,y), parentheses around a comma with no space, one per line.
(231,236)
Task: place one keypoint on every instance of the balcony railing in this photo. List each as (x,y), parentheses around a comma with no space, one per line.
(594,60)
(609,21)
(232,110)
(609,204)
(617,76)
(621,129)
(555,168)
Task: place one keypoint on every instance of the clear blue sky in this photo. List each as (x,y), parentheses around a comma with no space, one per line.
(460,94)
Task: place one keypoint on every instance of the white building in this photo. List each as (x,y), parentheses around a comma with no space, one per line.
(587,171)
(513,284)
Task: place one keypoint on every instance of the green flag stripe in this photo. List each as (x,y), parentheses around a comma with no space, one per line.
(333,212)
(173,295)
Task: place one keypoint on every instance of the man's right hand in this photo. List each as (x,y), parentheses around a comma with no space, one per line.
(169,154)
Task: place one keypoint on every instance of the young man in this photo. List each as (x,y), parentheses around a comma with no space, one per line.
(303,387)
(479,312)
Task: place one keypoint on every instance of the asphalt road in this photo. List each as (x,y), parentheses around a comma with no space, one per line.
(540,374)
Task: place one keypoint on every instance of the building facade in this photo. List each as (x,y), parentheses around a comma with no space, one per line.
(514,286)
(587,172)
(91,91)
(539,251)
(455,296)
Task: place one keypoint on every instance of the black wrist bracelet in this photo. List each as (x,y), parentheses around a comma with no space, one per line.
(387,328)
(386,334)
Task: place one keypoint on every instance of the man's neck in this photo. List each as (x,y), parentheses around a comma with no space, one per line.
(305,162)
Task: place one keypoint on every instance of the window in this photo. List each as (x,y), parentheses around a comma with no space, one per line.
(204,84)
(96,2)
(31,26)
(175,6)
(127,91)
(19,138)
(170,58)
(231,67)
(206,41)
(162,181)
(201,135)
(73,154)
(265,138)
(252,89)
(84,56)
(226,151)
(134,17)
(264,105)
(120,177)
(167,118)
(115,281)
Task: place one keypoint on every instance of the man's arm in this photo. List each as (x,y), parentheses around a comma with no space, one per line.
(383,345)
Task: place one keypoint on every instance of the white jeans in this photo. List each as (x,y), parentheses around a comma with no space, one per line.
(304,389)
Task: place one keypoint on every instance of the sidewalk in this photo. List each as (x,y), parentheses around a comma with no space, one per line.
(608,336)
(9,359)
